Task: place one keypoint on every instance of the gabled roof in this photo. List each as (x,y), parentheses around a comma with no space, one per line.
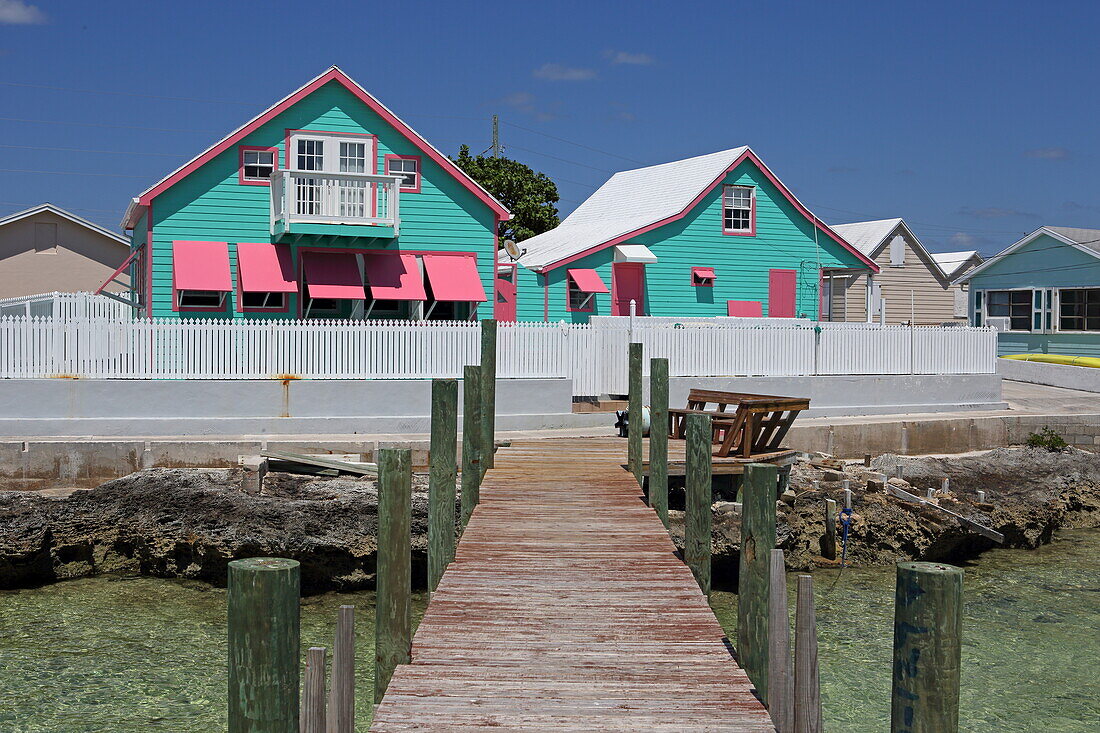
(952,262)
(868,236)
(636,201)
(1084,240)
(11,218)
(333,73)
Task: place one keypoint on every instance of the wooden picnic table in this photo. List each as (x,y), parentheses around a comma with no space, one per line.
(757,425)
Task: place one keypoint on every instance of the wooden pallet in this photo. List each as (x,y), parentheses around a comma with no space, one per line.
(566,608)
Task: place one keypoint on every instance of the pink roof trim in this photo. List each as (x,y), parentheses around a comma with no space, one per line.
(454,278)
(201,266)
(394,277)
(588,281)
(333,74)
(333,275)
(748,154)
(263,267)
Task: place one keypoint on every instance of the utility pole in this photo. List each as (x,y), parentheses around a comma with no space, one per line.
(496,137)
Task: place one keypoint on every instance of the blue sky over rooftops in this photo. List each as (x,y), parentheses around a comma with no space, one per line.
(973,121)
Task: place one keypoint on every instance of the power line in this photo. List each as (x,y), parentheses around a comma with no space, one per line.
(923,224)
(124,94)
(87,150)
(570,142)
(103,124)
(71,173)
(69,208)
(563,160)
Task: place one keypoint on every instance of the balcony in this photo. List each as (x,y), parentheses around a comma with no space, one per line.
(334,204)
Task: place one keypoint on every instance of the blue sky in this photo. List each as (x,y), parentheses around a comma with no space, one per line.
(976,122)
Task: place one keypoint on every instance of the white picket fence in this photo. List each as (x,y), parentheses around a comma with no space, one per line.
(593,356)
(65,305)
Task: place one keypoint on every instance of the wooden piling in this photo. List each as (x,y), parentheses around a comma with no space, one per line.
(697,498)
(658,438)
(828,543)
(807,682)
(867,460)
(441,479)
(927,648)
(262,599)
(780,673)
(471,440)
(634,412)
(393,625)
(312,719)
(757,542)
(488,391)
(341,696)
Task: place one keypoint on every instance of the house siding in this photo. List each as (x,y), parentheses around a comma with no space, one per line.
(210,204)
(784,239)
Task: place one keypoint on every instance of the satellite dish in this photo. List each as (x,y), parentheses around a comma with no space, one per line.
(513,249)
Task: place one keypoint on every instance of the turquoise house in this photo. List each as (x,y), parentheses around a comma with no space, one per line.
(1042,293)
(325,205)
(714,235)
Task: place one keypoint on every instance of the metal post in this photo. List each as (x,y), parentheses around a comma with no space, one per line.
(488,391)
(393,625)
(697,519)
(471,441)
(658,438)
(757,541)
(634,421)
(441,479)
(263,620)
(927,648)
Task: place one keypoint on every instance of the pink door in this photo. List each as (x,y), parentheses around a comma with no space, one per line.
(781,291)
(627,283)
(504,307)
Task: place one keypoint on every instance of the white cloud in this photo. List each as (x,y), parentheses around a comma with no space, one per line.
(1048,153)
(528,104)
(625,57)
(17,12)
(561,72)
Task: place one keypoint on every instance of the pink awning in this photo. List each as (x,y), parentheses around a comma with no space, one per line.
(201,266)
(588,281)
(703,273)
(333,275)
(744,308)
(394,277)
(454,278)
(263,267)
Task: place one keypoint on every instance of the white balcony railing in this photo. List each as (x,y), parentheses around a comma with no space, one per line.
(333,198)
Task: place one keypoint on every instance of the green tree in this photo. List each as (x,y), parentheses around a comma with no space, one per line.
(530,196)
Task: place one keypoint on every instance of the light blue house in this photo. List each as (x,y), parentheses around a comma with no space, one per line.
(714,235)
(325,205)
(1042,293)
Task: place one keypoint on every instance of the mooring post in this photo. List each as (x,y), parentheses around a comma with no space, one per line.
(341,699)
(658,438)
(263,619)
(847,498)
(757,542)
(867,460)
(488,391)
(828,544)
(927,648)
(471,441)
(780,674)
(697,499)
(945,485)
(393,583)
(312,719)
(981,497)
(441,479)
(807,682)
(634,413)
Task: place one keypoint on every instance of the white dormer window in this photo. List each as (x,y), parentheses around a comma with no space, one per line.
(407,166)
(257,165)
(738,210)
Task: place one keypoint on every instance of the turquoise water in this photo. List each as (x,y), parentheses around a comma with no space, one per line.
(142,654)
(1031,640)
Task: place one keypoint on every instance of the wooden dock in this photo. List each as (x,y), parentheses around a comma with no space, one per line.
(567,608)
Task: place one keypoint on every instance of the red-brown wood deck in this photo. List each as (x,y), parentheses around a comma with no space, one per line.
(567,608)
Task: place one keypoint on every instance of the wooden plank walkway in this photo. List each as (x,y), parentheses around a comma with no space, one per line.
(567,608)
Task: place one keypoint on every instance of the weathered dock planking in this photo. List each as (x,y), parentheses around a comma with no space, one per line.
(566,608)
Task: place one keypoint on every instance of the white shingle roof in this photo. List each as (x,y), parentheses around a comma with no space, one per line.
(950,262)
(866,236)
(629,201)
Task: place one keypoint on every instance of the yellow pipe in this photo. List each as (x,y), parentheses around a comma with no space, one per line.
(1085,361)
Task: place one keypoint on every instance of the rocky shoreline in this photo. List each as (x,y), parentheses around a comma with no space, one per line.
(188,523)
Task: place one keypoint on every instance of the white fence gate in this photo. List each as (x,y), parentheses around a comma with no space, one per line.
(593,356)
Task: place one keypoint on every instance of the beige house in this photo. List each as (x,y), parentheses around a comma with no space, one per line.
(912,284)
(46,249)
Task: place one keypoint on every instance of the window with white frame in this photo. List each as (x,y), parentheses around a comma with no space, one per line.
(257,165)
(408,168)
(737,209)
(1015,304)
(1079,309)
(353,157)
